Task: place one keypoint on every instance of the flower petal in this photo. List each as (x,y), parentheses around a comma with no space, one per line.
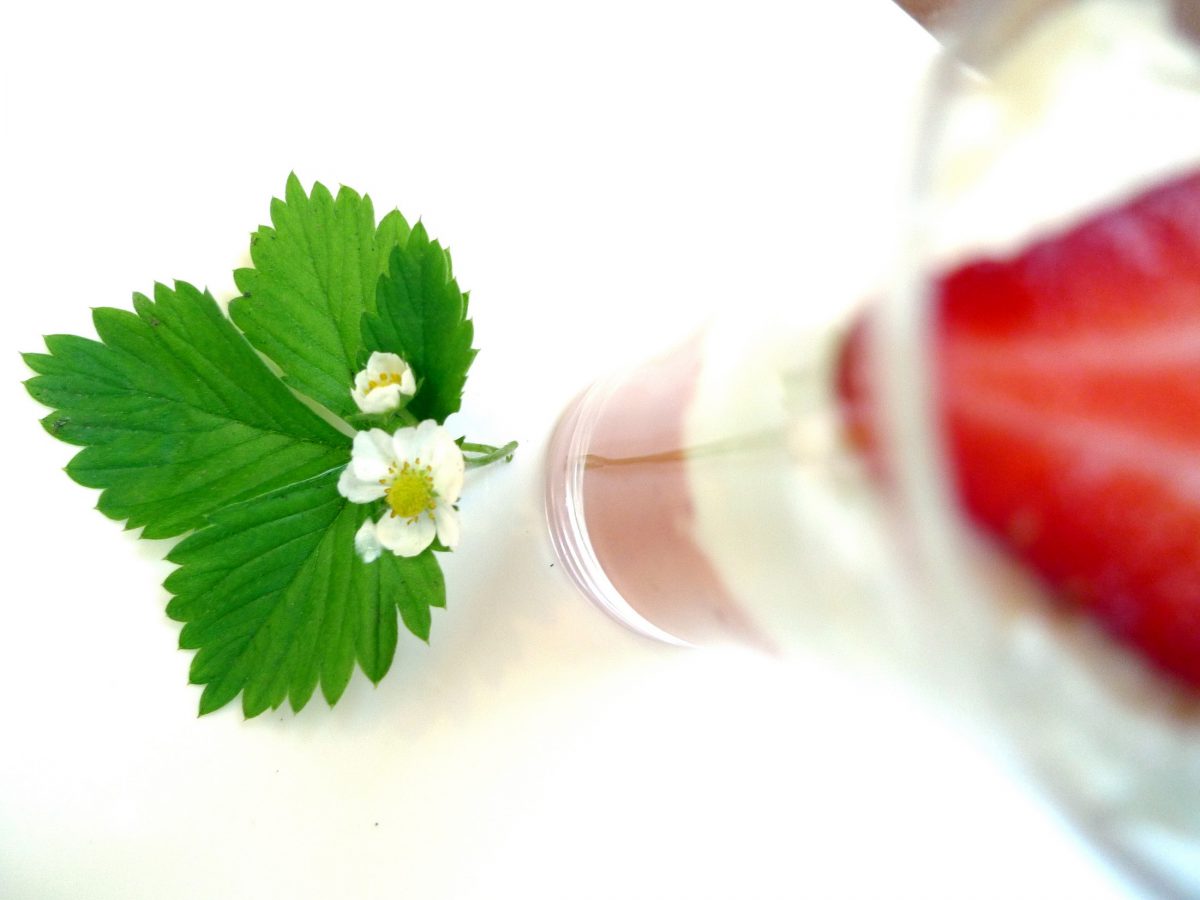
(356,490)
(448,467)
(408,383)
(405,537)
(366,542)
(360,389)
(371,454)
(384,362)
(381,400)
(445,517)
(420,443)
(404,444)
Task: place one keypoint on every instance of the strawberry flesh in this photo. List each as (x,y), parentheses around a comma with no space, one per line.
(1068,387)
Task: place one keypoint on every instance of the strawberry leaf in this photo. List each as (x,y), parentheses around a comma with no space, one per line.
(186,428)
(422,315)
(276,601)
(177,415)
(314,276)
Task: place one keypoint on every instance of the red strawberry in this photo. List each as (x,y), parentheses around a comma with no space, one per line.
(1069,391)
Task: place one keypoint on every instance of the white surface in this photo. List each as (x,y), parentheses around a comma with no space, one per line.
(602,173)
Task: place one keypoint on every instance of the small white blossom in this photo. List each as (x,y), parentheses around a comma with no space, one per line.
(419,472)
(380,386)
(366,543)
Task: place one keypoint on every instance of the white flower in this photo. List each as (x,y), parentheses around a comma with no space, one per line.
(367,543)
(419,472)
(379,387)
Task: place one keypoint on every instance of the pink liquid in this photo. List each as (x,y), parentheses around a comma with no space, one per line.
(639,511)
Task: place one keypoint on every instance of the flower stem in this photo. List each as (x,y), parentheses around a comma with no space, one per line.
(386,420)
(487,454)
(406,419)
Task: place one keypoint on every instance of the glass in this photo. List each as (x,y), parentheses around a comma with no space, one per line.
(731,489)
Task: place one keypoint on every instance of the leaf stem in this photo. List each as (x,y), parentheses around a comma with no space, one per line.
(487,453)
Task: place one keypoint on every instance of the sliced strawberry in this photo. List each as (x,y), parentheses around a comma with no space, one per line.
(1069,390)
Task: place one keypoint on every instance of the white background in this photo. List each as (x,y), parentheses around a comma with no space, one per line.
(605,174)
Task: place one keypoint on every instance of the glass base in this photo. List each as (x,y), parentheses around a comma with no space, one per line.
(566,462)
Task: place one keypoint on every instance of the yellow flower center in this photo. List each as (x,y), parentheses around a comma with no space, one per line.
(383,379)
(411,490)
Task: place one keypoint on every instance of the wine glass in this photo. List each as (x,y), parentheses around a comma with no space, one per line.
(804,482)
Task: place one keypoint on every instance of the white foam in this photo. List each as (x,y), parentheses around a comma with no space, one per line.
(1100,101)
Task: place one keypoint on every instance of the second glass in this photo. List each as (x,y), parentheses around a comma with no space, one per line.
(720,492)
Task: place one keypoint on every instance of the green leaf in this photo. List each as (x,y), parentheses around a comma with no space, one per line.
(275,600)
(177,413)
(185,427)
(422,315)
(314,276)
